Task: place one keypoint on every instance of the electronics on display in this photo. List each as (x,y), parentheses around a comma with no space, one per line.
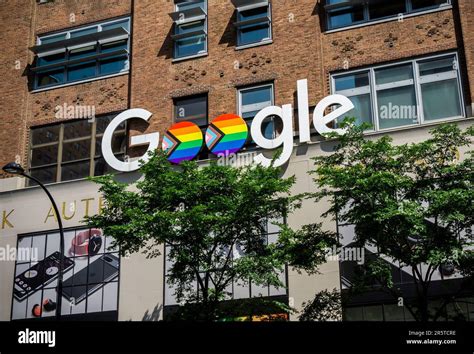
(91,267)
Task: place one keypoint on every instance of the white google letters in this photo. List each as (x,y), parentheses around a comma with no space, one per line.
(285,139)
(152,139)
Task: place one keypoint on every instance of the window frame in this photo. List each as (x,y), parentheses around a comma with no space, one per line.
(250,145)
(270,233)
(97,59)
(410,12)
(86,314)
(203,154)
(188,22)
(177,119)
(253,87)
(93,156)
(417,86)
(264,41)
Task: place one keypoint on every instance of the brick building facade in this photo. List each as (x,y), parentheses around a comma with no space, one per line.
(303,44)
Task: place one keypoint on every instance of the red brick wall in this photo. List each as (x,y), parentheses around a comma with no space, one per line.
(389,41)
(294,54)
(22,21)
(16,36)
(61,14)
(299,50)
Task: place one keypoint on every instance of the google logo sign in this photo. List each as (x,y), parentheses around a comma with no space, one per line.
(228,133)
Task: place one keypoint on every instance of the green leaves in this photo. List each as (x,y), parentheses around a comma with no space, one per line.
(325,306)
(412,201)
(305,249)
(203,215)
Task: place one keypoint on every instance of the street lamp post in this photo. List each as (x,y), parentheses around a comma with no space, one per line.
(16,169)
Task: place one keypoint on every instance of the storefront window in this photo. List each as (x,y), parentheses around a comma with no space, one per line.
(237,288)
(90,276)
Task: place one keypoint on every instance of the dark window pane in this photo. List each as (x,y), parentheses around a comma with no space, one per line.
(45,175)
(257,95)
(268,127)
(254,33)
(254,100)
(420,4)
(113,46)
(259,12)
(119,143)
(191,4)
(51,77)
(103,122)
(44,155)
(113,65)
(78,129)
(76,150)
(192,109)
(346,16)
(82,71)
(75,170)
(393,312)
(352,81)
(51,59)
(373,313)
(44,135)
(190,46)
(102,168)
(190,27)
(385,9)
(353,314)
(82,52)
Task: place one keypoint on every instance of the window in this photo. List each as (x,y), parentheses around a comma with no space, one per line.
(357,88)
(372,303)
(83,54)
(395,89)
(90,276)
(343,13)
(253,22)
(440,91)
(408,93)
(460,309)
(193,109)
(190,28)
(251,101)
(236,289)
(72,150)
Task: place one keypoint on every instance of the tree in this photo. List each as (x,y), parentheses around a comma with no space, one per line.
(204,214)
(414,202)
(325,306)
